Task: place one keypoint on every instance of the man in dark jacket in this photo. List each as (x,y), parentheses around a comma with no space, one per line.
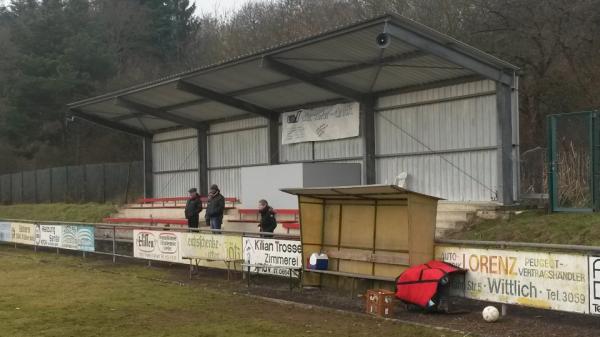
(268,223)
(193,207)
(215,208)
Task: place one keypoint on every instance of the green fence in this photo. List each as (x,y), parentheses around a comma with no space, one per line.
(574,158)
(108,182)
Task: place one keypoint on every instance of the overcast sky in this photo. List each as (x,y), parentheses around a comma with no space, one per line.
(219,6)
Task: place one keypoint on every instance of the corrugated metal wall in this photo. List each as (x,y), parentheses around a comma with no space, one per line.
(343,149)
(175,162)
(444,138)
(229,181)
(233,144)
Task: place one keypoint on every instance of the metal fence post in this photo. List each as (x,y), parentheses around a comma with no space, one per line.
(50,180)
(34,240)
(114,244)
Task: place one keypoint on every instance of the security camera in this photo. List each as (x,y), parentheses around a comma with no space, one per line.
(383,40)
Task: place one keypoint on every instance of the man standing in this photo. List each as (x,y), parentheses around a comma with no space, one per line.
(268,223)
(193,207)
(215,208)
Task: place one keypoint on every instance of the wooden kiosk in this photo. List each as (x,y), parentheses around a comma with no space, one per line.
(369,232)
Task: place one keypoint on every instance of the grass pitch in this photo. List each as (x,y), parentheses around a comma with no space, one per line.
(45,294)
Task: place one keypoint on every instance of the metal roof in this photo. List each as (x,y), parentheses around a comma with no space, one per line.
(361,192)
(344,64)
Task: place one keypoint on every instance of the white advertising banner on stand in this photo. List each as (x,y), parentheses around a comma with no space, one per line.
(48,235)
(327,123)
(23,233)
(156,245)
(273,253)
(536,279)
(594,286)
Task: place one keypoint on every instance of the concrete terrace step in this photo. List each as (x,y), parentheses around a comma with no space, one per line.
(455,216)
(467,206)
(440,233)
(444,224)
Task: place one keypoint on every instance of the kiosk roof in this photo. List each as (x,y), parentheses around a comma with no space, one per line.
(361,192)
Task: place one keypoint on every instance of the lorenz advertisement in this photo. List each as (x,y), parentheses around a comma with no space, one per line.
(534,279)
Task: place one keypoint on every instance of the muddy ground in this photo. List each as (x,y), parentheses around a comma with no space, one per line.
(520,322)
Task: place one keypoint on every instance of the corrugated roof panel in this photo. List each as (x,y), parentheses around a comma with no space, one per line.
(209,111)
(106,108)
(163,95)
(105,115)
(352,44)
(240,76)
(175,134)
(289,95)
(149,123)
(354,48)
(402,74)
(389,79)
(245,123)
(350,47)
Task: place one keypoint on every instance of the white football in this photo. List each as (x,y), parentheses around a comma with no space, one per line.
(490,314)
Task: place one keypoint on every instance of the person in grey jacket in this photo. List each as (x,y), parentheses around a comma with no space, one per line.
(215,208)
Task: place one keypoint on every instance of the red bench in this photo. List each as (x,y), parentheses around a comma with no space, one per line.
(147,220)
(179,202)
(287,224)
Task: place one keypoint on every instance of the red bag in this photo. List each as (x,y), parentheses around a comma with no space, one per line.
(419,284)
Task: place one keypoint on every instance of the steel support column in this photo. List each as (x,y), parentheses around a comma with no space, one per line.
(202,161)
(367,122)
(273,141)
(505,140)
(148,178)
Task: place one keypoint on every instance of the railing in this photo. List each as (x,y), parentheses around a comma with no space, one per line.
(114,234)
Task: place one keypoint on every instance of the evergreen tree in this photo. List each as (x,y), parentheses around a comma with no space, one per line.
(60,58)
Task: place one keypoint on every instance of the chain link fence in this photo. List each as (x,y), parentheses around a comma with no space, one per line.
(110,182)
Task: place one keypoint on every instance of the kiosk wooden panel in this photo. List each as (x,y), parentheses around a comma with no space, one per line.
(368,232)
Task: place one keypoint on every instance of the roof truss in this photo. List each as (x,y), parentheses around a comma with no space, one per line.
(109,124)
(227,100)
(158,113)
